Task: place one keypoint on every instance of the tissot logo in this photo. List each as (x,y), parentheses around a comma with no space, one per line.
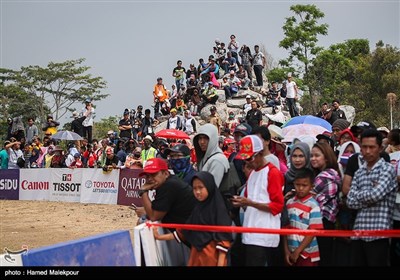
(67,177)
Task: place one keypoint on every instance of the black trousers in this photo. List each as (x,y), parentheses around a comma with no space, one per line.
(258,255)
(395,247)
(87,132)
(258,72)
(325,245)
(372,253)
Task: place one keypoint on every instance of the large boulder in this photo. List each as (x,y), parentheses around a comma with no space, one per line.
(350,112)
(236,103)
(221,95)
(243,93)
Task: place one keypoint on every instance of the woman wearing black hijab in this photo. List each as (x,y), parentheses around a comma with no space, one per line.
(207,248)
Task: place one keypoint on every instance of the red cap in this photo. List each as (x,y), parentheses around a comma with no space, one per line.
(154,165)
(249,145)
(228,141)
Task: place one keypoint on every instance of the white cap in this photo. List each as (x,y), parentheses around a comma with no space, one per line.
(248,96)
(148,137)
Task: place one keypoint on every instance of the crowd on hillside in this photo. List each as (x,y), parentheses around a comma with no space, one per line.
(347,179)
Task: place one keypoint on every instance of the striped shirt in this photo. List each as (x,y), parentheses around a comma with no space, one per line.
(304,214)
(373,194)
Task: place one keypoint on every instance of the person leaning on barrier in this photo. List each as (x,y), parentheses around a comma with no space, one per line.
(174,199)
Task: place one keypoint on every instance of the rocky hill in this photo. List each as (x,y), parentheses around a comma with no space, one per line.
(236,105)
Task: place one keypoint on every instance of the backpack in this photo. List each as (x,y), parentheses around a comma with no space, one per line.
(231,181)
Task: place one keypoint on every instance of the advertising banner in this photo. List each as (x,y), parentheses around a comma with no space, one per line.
(65,184)
(99,186)
(9,183)
(151,252)
(34,184)
(129,185)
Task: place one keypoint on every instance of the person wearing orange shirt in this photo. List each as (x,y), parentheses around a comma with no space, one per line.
(160,95)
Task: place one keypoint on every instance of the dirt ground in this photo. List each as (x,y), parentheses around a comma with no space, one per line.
(42,223)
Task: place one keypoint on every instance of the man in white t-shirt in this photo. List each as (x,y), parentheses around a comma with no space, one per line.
(174,121)
(87,123)
(259,63)
(291,96)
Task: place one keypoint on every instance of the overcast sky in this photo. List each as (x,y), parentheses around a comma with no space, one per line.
(131,43)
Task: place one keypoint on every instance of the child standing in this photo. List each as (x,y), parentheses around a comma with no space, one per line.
(304,213)
(207,248)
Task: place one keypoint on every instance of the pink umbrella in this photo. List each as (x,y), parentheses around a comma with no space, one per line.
(297,130)
(172,133)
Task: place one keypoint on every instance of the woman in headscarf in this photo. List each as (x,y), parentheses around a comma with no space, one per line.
(207,248)
(299,158)
(347,149)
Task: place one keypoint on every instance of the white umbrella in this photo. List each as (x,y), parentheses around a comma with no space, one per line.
(298,130)
(278,117)
(66,135)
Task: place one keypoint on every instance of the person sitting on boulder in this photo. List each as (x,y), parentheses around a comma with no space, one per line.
(195,103)
(230,85)
(273,96)
(180,105)
(210,94)
(231,122)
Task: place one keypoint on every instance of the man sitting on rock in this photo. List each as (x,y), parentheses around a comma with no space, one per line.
(273,96)
(210,94)
(234,84)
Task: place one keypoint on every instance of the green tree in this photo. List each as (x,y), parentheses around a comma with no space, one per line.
(101,127)
(58,86)
(279,74)
(14,102)
(332,73)
(358,77)
(376,75)
(301,36)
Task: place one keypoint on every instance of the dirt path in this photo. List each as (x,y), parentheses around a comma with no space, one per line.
(42,223)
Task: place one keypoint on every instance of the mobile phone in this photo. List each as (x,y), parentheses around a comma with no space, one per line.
(228,195)
(133,207)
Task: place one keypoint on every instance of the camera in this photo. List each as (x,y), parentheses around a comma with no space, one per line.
(105,168)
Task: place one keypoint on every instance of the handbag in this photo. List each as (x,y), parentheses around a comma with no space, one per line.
(21,162)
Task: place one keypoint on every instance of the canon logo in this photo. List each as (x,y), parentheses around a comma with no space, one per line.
(26,185)
(8,184)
